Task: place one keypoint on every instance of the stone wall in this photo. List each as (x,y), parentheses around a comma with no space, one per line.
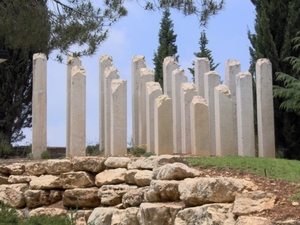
(133,191)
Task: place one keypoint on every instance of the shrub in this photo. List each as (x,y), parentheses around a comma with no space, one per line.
(94,150)
(45,155)
(137,151)
(5,147)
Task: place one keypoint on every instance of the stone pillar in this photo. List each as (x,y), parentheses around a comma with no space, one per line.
(245,118)
(146,75)
(169,65)
(178,77)
(39,105)
(105,61)
(163,123)
(224,122)
(78,112)
(211,80)
(232,68)
(265,109)
(118,111)
(153,91)
(71,62)
(200,131)
(202,66)
(188,91)
(138,62)
(110,74)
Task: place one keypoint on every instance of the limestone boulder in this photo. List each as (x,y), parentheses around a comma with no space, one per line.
(287,222)
(199,191)
(101,215)
(142,163)
(13,169)
(166,159)
(116,162)
(129,176)
(245,220)
(135,197)
(38,198)
(13,194)
(158,213)
(89,163)
(163,191)
(81,197)
(47,212)
(81,216)
(254,201)
(45,182)
(143,178)
(78,179)
(16,179)
(112,176)
(3,180)
(112,194)
(210,214)
(58,166)
(35,169)
(175,171)
(125,217)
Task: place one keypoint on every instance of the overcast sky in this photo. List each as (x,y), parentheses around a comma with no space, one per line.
(137,34)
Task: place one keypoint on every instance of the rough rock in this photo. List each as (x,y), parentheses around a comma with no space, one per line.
(48,212)
(89,163)
(210,214)
(13,169)
(16,179)
(165,159)
(81,197)
(142,163)
(245,220)
(81,216)
(143,178)
(125,217)
(195,192)
(58,166)
(254,201)
(158,213)
(3,180)
(37,198)
(78,179)
(101,216)
(116,162)
(45,182)
(35,169)
(113,176)
(163,191)
(129,176)
(288,222)
(175,171)
(135,197)
(13,194)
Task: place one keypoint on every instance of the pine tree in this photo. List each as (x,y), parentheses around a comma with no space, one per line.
(204,52)
(268,42)
(167,47)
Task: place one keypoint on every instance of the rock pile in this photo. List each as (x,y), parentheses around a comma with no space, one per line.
(135,191)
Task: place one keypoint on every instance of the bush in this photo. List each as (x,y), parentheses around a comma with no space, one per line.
(45,155)
(94,150)
(137,151)
(5,147)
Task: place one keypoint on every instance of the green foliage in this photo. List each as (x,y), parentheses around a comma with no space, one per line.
(94,150)
(204,52)
(46,155)
(167,47)
(137,151)
(5,147)
(8,216)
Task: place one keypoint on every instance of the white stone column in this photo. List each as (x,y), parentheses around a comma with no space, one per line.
(265,109)
(110,74)
(71,62)
(169,65)
(200,131)
(105,61)
(153,91)
(163,123)
(245,118)
(202,66)
(224,122)
(118,111)
(232,68)
(39,105)
(78,112)
(146,75)
(138,62)
(211,80)
(188,91)
(178,77)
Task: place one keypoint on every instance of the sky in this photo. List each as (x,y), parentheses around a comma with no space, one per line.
(137,34)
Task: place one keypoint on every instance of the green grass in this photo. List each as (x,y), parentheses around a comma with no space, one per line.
(282,169)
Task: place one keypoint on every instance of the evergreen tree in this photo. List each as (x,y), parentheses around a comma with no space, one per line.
(167,47)
(276,23)
(204,52)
